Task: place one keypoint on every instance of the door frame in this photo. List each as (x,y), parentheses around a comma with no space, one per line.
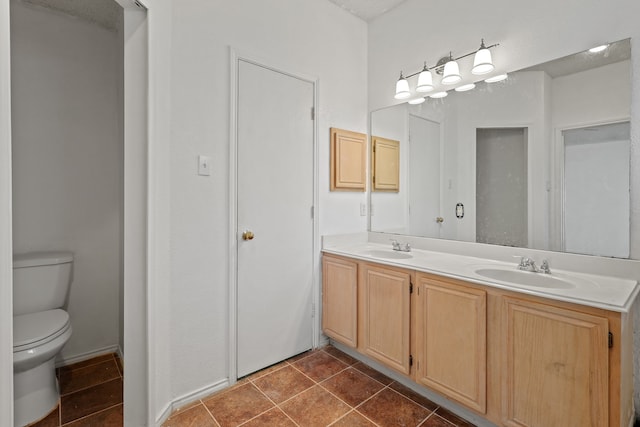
(235,57)
(557,201)
(149,245)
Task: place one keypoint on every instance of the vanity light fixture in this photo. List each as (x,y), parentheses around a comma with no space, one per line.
(449,69)
(451,73)
(498,78)
(439,95)
(402,88)
(466,87)
(600,48)
(482,63)
(417,101)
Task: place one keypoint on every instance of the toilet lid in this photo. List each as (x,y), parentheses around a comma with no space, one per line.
(36,328)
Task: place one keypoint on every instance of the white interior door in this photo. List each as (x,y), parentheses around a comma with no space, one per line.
(596,190)
(424,179)
(274,203)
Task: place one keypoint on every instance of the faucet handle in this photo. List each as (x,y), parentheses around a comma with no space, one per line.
(395,244)
(544,267)
(525,262)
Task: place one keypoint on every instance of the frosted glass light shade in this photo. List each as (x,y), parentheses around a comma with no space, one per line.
(425,82)
(466,87)
(598,48)
(497,78)
(417,101)
(439,95)
(402,89)
(451,73)
(482,63)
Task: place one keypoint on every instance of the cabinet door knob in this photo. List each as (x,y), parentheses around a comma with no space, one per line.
(247,235)
(439,220)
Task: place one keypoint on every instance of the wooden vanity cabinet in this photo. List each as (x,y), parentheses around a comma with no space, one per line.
(451,340)
(385,301)
(518,360)
(340,300)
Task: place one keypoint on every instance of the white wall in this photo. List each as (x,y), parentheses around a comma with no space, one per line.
(67,161)
(307,37)
(6,291)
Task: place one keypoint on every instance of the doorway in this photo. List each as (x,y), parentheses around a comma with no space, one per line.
(501,186)
(424,177)
(596,189)
(135,213)
(274,214)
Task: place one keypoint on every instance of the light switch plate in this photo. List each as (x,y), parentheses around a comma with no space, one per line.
(204,165)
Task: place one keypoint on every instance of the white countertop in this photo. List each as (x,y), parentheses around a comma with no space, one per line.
(601,291)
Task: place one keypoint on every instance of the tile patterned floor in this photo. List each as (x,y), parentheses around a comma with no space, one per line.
(90,394)
(319,388)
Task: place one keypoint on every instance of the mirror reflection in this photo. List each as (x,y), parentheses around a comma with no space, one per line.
(540,160)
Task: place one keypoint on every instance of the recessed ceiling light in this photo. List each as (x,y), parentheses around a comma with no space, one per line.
(417,101)
(497,78)
(439,95)
(599,48)
(466,87)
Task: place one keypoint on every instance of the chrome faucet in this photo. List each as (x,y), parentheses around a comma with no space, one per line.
(402,247)
(527,264)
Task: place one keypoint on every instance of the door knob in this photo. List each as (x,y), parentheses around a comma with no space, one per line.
(439,220)
(247,235)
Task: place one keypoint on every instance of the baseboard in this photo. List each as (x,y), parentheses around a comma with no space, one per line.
(70,360)
(190,398)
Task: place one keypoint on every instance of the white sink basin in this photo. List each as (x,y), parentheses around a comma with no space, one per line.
(525,278)
(388,254)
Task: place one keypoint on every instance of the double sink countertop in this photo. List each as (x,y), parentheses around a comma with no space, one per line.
(595,290)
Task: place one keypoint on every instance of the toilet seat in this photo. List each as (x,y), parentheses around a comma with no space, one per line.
(36,329)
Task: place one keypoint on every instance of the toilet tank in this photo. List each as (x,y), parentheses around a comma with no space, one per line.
(41,281)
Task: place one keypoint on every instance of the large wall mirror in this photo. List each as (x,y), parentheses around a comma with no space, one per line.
(539,160)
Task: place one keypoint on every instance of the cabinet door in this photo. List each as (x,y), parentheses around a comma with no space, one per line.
(555,366)
(385,164)
(385,316)
(348,160)
(451,334)
(340,300)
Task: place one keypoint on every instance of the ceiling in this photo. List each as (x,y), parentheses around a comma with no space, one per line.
(367,9)
(105,13)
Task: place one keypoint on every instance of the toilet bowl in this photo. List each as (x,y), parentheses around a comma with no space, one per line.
(38,338)
(40,330)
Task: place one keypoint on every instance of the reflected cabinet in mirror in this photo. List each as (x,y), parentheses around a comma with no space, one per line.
(539,160)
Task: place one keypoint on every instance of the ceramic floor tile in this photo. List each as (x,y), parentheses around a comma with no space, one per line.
(193,416)
(237,405)
(88,362)
(389,408)
(418,398)
(353,419)
(436,421)
(80,378)
(120,365)
(264,372)
(343,357)
(112,417)
(453,418)
(85,402)
(315,407)
(283,384)
(272,418)
(352,386)
(320,366)
(51,420)
(368,370)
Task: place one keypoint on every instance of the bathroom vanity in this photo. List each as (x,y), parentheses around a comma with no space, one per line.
(517,348)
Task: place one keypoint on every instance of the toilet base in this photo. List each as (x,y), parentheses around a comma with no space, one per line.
(35,393)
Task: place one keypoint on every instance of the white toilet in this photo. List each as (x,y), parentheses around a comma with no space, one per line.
(40,329)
